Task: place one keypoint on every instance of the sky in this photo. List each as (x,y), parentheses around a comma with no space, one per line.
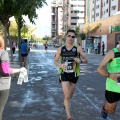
(43,22)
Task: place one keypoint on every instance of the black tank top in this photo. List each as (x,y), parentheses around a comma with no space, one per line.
(68,55)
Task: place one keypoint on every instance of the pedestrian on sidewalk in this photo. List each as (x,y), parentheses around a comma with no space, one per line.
(95,49)
(13,47)
(118,44)
(69,64)
(24,52)
(103,48)
(98,48)
(112,92)
(5,78)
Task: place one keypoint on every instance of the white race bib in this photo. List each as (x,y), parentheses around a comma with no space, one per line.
(70,67)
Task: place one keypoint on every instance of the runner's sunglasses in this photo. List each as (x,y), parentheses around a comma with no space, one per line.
(71,36)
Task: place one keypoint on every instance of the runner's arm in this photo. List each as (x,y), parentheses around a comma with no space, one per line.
(101,68)
(57,56)
(84,58)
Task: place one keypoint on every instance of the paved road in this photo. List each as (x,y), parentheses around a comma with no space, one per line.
(42,97)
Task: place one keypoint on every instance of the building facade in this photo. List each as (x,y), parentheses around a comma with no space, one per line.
(56,18)
(107,12)
(73,13)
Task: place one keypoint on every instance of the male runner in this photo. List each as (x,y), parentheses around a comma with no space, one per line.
(112,93)
(69,64)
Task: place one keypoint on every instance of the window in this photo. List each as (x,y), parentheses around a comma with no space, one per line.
(113,7)
(106,10)
(97,6)
(77,11)
(74,17)
(73,5)
(97,14)
(73,23)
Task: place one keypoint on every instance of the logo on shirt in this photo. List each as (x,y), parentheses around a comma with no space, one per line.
(64,50)
(73,50)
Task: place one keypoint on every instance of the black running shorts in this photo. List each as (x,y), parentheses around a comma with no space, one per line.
(24,55)
(112,97)
(69,77)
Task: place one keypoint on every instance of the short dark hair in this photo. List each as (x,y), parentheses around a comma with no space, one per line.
(25,40)
(70,31)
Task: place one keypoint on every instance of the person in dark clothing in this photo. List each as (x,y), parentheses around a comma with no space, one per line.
(99,48)
(103,48)
(13,46)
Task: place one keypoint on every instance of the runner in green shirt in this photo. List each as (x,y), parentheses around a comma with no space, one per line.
(112,93)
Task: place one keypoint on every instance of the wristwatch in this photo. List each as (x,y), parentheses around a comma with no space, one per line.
(108,74)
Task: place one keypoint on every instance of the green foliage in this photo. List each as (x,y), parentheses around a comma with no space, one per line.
(1,28)
(46,38)
(13,28)
(77,31)
(17,8)
(82,36)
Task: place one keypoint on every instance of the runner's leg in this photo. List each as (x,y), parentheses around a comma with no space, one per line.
(110,107)
(72,88)
(66,90)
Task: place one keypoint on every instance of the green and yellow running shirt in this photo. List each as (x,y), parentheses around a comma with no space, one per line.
(113,67)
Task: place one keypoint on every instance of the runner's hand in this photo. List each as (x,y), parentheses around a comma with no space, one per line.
(113,76)
(77,60)
(63,66)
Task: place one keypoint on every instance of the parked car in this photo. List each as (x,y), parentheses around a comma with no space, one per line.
(57,45)
(49,44)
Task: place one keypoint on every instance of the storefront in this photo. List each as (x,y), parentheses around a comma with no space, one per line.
(114,29)
(109,31)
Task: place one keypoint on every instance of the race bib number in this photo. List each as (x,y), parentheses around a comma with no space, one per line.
(70,67)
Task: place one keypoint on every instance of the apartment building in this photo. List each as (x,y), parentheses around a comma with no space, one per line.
(73,13)
(60,15)
(107,12)
(56,18)
(104,8)
(88,11)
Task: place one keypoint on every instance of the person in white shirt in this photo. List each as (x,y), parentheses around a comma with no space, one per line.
(118,45)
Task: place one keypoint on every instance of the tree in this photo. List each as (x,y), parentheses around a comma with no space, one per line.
(94,27)
(91,28)
(1,28)
(17,8)
(82,36)
(77,31)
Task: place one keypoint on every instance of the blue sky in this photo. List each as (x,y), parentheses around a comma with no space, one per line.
(43,22)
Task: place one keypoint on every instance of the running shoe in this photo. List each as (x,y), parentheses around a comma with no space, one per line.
(69,119)
(103,112)
(64,106)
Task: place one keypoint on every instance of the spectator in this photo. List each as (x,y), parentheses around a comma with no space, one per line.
(98,47)
(13,47)
(118,44)
(103,48)
(24,52)
(5,78)
(95,49)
